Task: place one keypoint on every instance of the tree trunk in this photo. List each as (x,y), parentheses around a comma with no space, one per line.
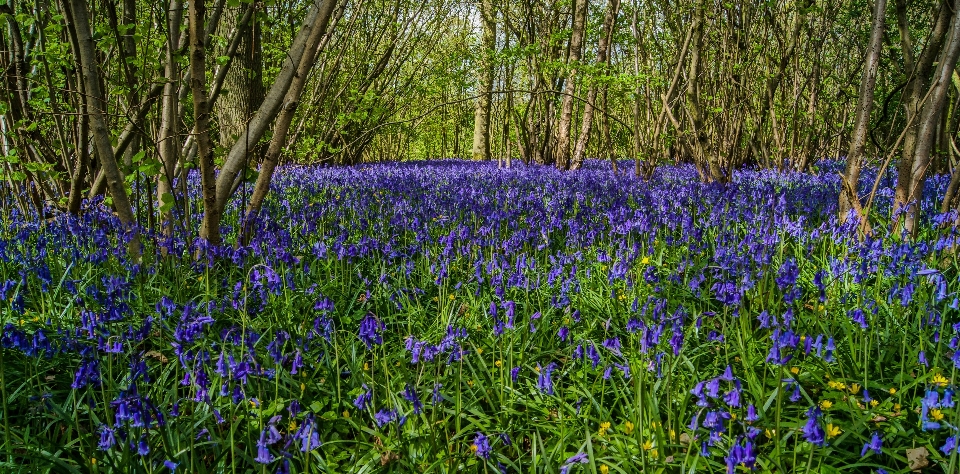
(96,109)
(919,74)
(849,199)
(210,228)
(244,81)
(236,159)
(609,22)
(285,118)
(168,143)
(929,120)
(562,152)
(481,117)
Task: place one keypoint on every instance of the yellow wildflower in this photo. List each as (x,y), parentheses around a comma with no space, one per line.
(874,403)
(836,385)
(833,431)
(604,469)
(645,261)
(826,404)
(936,414)
(940,380)
(498,363)
(452,297)
(893,391)
(346,413)
(628,427)
(647,445)
(604,427)
(794,370)
(896,407)
(854,388)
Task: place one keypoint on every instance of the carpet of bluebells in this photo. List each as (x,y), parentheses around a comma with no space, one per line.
(452,316)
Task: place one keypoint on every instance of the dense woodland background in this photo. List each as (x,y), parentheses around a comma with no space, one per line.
(121,97)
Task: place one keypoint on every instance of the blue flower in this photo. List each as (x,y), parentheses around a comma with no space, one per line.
(812,431)
(362,401)
(263,452)
(545,380)
(481,446)
(579,458)
(370,328)
(875,444)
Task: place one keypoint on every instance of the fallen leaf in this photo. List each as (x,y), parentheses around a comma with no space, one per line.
(917,458)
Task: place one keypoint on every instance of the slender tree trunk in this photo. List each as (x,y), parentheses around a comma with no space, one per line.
(929,121)
(168,143)
(481,117)
(562,152)
(702,149)
(919,74)
(848,196)
(609,23)
(210,228)
(96,109)
(285,118)
(236,159)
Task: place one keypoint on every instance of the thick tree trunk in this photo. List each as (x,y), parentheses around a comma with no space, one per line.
(481,116)
(562,152)
(285,118)
(96,109)
(609,22)
(848,196)
(236,159)
(244,81)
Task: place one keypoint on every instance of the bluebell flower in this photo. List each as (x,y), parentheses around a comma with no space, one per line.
(481,446)
(143,448)
(812,431)
(875,444)
(107,438)
(363,400)
(410,395)
(385,416)
(545,380)
(263,452)
(579,458)
(370,328)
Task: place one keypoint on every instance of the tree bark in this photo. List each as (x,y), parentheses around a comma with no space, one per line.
(481,117)
(919,74)
(285,117)
(861,125)
(236,159)
(210,228)
(167,142)
(96,109)
(929,121)
(609,23)
(562,153)
(244,81)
